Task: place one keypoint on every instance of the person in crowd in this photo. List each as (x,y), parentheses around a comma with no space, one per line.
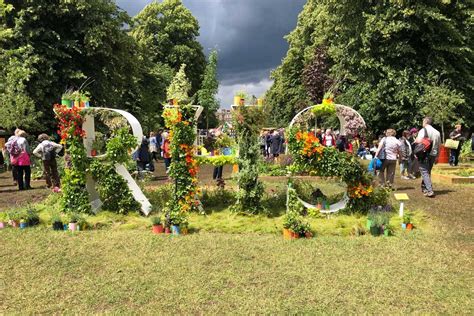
(263,140)
(363,150)
(328,139)
(404,157)
(341,143)
(391,146)
(427,162)
(413,165)
(18,148)
(373,149)
(153,146)
(47,151)
(143,157)
(275,144)
(165,147)
(281,131)
(456,134)
(319,135)
(268,144)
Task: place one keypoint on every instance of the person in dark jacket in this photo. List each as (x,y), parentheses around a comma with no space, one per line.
(143,157)
(454,153)
(275,144)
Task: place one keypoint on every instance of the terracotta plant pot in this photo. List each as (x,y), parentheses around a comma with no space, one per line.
(309,235)
(157,229)
(184,231)
(3,225)
(286,234)
(409,226)
(294,235)
(319,206)
(72,226)
(14,223)
(93,152)
(167,230)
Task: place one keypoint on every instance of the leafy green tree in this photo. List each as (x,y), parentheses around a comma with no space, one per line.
(207,94)
(17,109)
(167,33)
(383,55)
(441,102)
(71,41)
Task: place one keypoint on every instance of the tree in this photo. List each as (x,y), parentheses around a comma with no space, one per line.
(71,41)
(383,54)
(207,95)
(316,79)
(167,33)
(441,102)
(17,109)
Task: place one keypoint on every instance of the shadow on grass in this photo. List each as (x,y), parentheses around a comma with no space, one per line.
(443,192)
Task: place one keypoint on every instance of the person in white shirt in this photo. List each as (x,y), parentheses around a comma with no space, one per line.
(388,151)
(427,162)
(47,151)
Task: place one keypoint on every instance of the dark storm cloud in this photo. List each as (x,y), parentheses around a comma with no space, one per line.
(248,35)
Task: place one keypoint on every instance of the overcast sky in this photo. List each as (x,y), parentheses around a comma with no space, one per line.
(248,35)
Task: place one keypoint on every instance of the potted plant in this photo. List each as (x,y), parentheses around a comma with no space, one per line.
(3,220)
(239,98)
(406,223)
(67,98)
(73,219)
(387,230)
(175,222)
(23,223)
(14,218)
(184,227)
(56,221)
(31,216)
(289,222)
(167,225)
(374,220)
(84,100)
(157,228)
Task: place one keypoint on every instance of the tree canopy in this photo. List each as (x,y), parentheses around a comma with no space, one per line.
(206,96)
(382,54)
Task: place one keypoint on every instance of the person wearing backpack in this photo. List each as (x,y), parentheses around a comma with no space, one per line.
(427,151)
(405,153)
(47,150)
(388,152)
(18,148)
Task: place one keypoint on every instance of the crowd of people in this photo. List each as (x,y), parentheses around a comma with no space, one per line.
(17,154)
(416,151)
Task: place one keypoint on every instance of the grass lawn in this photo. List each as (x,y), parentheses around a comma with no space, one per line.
(131,270)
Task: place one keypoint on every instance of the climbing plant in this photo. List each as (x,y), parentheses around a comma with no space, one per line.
(248,121)
(179,119)
(75,197)
(112,188)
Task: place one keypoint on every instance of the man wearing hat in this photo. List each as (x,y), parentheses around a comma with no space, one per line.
(454,153)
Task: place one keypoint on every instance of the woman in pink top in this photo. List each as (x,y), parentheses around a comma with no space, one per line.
(388,151)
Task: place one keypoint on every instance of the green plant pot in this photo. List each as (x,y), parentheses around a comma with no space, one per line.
(375,231)
(369,224)
(66,102)
(386,232)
